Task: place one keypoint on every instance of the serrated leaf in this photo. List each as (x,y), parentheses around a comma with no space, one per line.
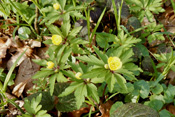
(110,80)
(91,59)
(41,62)
(75,31)
(42,113)
(93,73)
(61,77)
(43,73)
(121,81)
(67,103)
(80,94)
(115,106)
(62,3)
(70,89)
(75,67)
(47,100)
(92,91)
(54,30)
(101,55)
(52,83)
(66,54)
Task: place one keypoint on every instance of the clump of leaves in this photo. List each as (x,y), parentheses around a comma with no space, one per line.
(145,8)
(33,108)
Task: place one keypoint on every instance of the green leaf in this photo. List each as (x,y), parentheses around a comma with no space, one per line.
(80,94)
(42,113)
(47,100)
(54,30)
(61,77)
(93,73)
(155,104)
(104,38)
(41,62)
(66,54)
(60,51)
(126,56)
(115,106)
(164,113)
(110,80)
(129,75)
(62,3)
(121,81)
(92,91)
(91,59)
(158,89)
(143,88)
(133,110)
(75,67)
(65,27)
(67,103)
(33,106)
(43,73)
(24,33)
(101,55)
(70,89)
(75,31)
(52,83)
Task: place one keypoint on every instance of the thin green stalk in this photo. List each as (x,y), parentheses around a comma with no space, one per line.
(119,15)
(87,13)
(173,4)
(98,23)
(111,96)
(14,104)
(138,29)
(7,79)
(74,3)
(90,112)
(115,13)
(38,6)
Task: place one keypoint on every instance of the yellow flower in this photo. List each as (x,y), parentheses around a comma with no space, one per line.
(50,64)
(77,75)
(114,63)
(56,39)
(56,6)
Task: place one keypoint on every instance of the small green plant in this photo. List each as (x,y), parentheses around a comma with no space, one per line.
(145,8)
(33,108)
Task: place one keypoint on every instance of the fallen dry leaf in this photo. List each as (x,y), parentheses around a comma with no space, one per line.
(23,79)
(34,43)
(14,58)
(19,88)
(4,45)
